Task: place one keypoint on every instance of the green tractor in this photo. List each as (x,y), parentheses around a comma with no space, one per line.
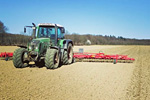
(47,47)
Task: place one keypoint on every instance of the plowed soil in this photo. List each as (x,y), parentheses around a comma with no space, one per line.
(80,80)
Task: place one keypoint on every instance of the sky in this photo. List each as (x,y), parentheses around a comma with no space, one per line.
(127,18)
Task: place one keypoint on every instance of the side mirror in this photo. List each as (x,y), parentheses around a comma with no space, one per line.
(24,30)
(62,30)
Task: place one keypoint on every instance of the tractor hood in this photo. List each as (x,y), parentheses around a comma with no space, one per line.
(42,39)
(39,44)
(37,41)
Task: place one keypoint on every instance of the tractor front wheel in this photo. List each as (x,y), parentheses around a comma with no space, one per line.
(52,59)
(20,58)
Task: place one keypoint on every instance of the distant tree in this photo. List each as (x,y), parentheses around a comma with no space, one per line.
(3,28)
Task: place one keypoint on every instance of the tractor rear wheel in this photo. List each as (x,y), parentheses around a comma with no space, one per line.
(52,59)
(20,58)
(68,55)
(65,58)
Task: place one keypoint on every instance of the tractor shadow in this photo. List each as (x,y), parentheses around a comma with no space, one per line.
(42,66)
(34,66)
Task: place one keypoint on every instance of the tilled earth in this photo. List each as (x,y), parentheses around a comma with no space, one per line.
(80,80)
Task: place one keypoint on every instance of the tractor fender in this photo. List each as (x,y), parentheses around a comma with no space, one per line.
(54,47)
(66,43)
(21,46)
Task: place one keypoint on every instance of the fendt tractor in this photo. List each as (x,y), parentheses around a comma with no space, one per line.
(47,47)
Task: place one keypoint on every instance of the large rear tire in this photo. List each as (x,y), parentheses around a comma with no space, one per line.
(68,55)
(52,59)
(19,58)
(65,58)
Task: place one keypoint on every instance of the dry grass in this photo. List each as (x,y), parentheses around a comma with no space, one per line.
(80,81)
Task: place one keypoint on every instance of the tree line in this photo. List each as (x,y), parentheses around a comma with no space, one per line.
(18,39)
(78,39)
(105,40)
(13,39)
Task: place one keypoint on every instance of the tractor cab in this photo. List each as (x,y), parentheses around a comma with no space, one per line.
(47,30)
(45,35)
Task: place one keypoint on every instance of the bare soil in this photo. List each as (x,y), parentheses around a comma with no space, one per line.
(80,80)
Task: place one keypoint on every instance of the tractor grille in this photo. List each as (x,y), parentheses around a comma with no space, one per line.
(34,44)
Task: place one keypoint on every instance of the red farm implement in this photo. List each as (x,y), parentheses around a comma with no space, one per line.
(101,57)
(87,57)
(6,55)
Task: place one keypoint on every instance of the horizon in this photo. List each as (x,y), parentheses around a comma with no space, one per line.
(126,18)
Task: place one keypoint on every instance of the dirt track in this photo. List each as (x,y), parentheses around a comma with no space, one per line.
(80,81)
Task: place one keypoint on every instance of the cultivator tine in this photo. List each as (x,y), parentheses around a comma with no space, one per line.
(103,60)
(128,61)
(78,60)
(111,60)
(85,60)
(125,61)
(120,61)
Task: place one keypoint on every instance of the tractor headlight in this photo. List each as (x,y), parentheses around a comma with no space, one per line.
(30,47)
(36,47)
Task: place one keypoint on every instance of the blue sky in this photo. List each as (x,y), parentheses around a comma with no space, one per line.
(127,18)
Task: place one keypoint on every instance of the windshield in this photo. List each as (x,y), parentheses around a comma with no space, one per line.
(49,32)
(46,32)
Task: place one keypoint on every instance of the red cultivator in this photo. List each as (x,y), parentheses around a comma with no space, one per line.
(6,55)
(101,57)
(87,57)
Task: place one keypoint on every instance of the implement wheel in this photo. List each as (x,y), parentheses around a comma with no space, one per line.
(52,59)
(20,58)
(115,61)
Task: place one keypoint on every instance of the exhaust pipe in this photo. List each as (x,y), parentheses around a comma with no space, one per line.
(34,31)
(56,35)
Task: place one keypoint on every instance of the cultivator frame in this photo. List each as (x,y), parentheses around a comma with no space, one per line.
(87,57)
(101,57)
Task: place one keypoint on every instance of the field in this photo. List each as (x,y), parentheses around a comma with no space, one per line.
(80,80)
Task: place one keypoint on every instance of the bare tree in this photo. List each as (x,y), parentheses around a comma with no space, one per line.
(3,28)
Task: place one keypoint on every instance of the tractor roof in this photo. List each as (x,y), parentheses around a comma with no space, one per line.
(49,24)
